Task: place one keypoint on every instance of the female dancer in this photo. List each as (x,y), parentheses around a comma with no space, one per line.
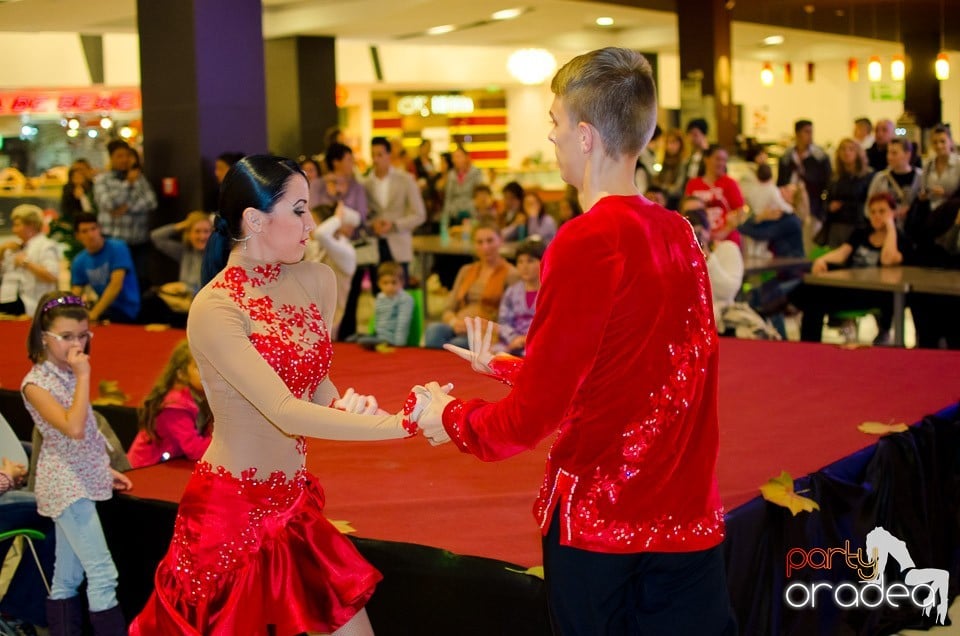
(251,550)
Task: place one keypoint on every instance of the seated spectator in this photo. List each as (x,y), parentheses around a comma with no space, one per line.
(483,203)
(458,189)
(477,290)
(539,223)
(877,246)
(184,242)
(393,309)
(512,220)
(175,420)
(569,205)
(672,176)
(24,600)
(30,264)
(772,221)
(724,261)
(520,300)
(720,194)
(331,245)
(657,195)
(106,267)
(846,195)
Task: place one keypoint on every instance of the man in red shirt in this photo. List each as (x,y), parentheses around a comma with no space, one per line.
(622,360)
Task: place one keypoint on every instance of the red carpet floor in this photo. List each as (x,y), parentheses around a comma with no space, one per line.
(784,406)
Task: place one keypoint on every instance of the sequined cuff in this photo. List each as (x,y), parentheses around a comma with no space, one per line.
(505,367)
(453,423)
(409,406)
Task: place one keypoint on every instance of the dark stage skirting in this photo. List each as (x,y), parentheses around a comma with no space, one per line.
(784,406)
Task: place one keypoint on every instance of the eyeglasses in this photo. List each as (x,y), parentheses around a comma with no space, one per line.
(70,338)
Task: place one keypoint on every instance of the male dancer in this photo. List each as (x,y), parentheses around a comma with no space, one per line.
(622,359)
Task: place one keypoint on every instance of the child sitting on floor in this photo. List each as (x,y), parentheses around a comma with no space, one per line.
(393,310)
(520,299)
(175,420)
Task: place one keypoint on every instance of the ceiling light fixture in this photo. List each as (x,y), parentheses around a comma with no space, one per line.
(874,69)
(766,74)
(440,30)
(531,66)
(773,40)
(605,21)
(507,14)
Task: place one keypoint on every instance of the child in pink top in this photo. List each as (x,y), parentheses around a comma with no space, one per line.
(175,420)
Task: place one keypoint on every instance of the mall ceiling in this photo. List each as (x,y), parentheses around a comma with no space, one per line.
(649,25)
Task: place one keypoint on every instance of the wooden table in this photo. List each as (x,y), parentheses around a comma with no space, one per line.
(757,265)
(425,246)
(884,279)
(897,280)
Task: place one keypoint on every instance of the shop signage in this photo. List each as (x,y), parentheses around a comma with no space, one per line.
(69,101)
(436,104)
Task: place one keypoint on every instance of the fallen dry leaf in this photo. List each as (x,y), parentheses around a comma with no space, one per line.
(879,428)
(536,571)
(343,526)
(779,491)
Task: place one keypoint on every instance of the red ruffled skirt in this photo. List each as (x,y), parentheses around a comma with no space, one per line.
(247,553)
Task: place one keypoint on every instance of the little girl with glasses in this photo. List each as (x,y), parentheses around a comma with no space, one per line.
(73,470)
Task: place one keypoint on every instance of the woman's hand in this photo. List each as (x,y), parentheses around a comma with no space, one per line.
(430,419)
(819,266)
(353,402)
(120,481)
(479,353)
(835,206)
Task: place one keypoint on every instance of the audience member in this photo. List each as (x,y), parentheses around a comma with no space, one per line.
(539,222)
(724,261)
(863,132)
(396,208)
(806,168)
(458,192)
(483,204)
(125,202)
(899,178)
(393,309)
(878,245)
(772,221)
(519,301)
(342,187)
(720,194)
(330,244)
(697,137)
(672,177)
(877,152)
(175,420)
(73,470)
(30,264)
(656,194)
(106,267)
(184,242)
(427,175)
(647,168)
(513,221)
(846,195)
(477,290)
(941,174)
(77,194)
(569,205)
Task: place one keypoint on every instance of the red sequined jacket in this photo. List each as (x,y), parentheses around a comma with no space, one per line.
(622,359)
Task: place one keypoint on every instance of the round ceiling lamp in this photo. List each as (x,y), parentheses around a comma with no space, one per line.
(531,66)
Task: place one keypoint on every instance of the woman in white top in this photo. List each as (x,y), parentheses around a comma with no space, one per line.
(941,174)
(30,263)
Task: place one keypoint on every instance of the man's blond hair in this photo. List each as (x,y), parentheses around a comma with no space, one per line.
(613,90)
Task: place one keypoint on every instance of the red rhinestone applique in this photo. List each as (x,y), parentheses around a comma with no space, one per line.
(408,407)
(292,339)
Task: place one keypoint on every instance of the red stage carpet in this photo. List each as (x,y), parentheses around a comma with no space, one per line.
(784,406)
